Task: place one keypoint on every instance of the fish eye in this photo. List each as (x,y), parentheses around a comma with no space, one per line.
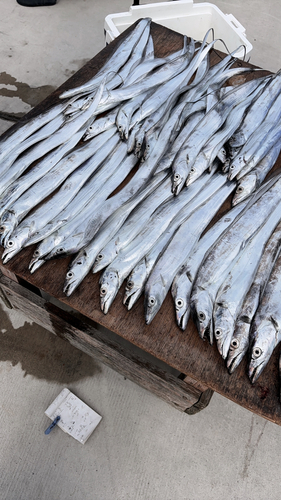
(2,229)
(60,250)
(201,316)
(179,303)
(232,167)
(235,343)
(151,301)
(218,333)
(36,253)
(257,352)
(79,263)
(130,284)
(69,274)
(10,243)
(239,189)
(177,177)
(103,291)
(100,256)
(192,170)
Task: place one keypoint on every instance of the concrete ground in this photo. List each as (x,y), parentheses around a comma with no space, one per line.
(142,449)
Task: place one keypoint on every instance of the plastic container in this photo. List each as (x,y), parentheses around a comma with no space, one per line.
(187,18)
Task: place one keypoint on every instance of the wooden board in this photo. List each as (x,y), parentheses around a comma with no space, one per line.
(185,352)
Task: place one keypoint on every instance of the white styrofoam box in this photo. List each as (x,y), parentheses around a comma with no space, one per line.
(186,18)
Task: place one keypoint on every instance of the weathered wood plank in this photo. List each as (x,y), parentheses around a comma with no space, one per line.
(86,338)
(4,270)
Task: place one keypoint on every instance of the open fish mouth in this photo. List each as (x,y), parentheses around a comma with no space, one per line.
(35,264)
(233,361)
(105,304)
(182,319)
(130,298)
(255,371)
(9,253)
(70,283)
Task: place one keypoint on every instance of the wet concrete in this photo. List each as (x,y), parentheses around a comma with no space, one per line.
(42,354)
(29,95)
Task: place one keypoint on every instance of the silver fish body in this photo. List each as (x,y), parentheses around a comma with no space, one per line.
(192,122)
(133,225)
(181,246)
(41,216)
(101,125)
(257,112)
(143,69)
(211,122)
(73,231)
(215,267)
(258,144)
(232,293)
(26,129)
(18,187)
(184,279)
(241,336)
(121,266)
(47,130)
(139,275)
(64,135)
(114,63)
(209,152)
(265,331)
(82,264)
(252,180)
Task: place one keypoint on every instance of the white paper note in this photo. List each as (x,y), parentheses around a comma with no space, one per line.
(76,418)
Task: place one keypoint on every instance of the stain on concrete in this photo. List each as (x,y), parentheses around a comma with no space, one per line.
(252,443)
(29,95)
(42,354)
(78,63)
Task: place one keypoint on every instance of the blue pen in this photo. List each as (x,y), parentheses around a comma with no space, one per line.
(53,424)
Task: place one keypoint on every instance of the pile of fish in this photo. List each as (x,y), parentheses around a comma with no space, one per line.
(188,139)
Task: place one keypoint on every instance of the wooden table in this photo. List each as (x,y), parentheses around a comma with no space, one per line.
(192,368)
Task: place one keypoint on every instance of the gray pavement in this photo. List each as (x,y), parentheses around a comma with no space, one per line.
(142,449)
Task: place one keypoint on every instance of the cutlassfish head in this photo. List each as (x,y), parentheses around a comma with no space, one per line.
(202,311)
(14,244)
(245,187)
(153,299)
(135,285)
(223,329)
(67,246)
(122,123)
(238,346)
(109,286)
(7,225)
(79,268)
(150,142)
(181,289)
(105,257)
(179,177)
(261,349)
(41,252)
(235,166)
(193,175)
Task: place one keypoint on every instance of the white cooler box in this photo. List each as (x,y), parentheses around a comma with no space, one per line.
(187,18)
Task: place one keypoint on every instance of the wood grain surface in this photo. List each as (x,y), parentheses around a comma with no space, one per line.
(184,351)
